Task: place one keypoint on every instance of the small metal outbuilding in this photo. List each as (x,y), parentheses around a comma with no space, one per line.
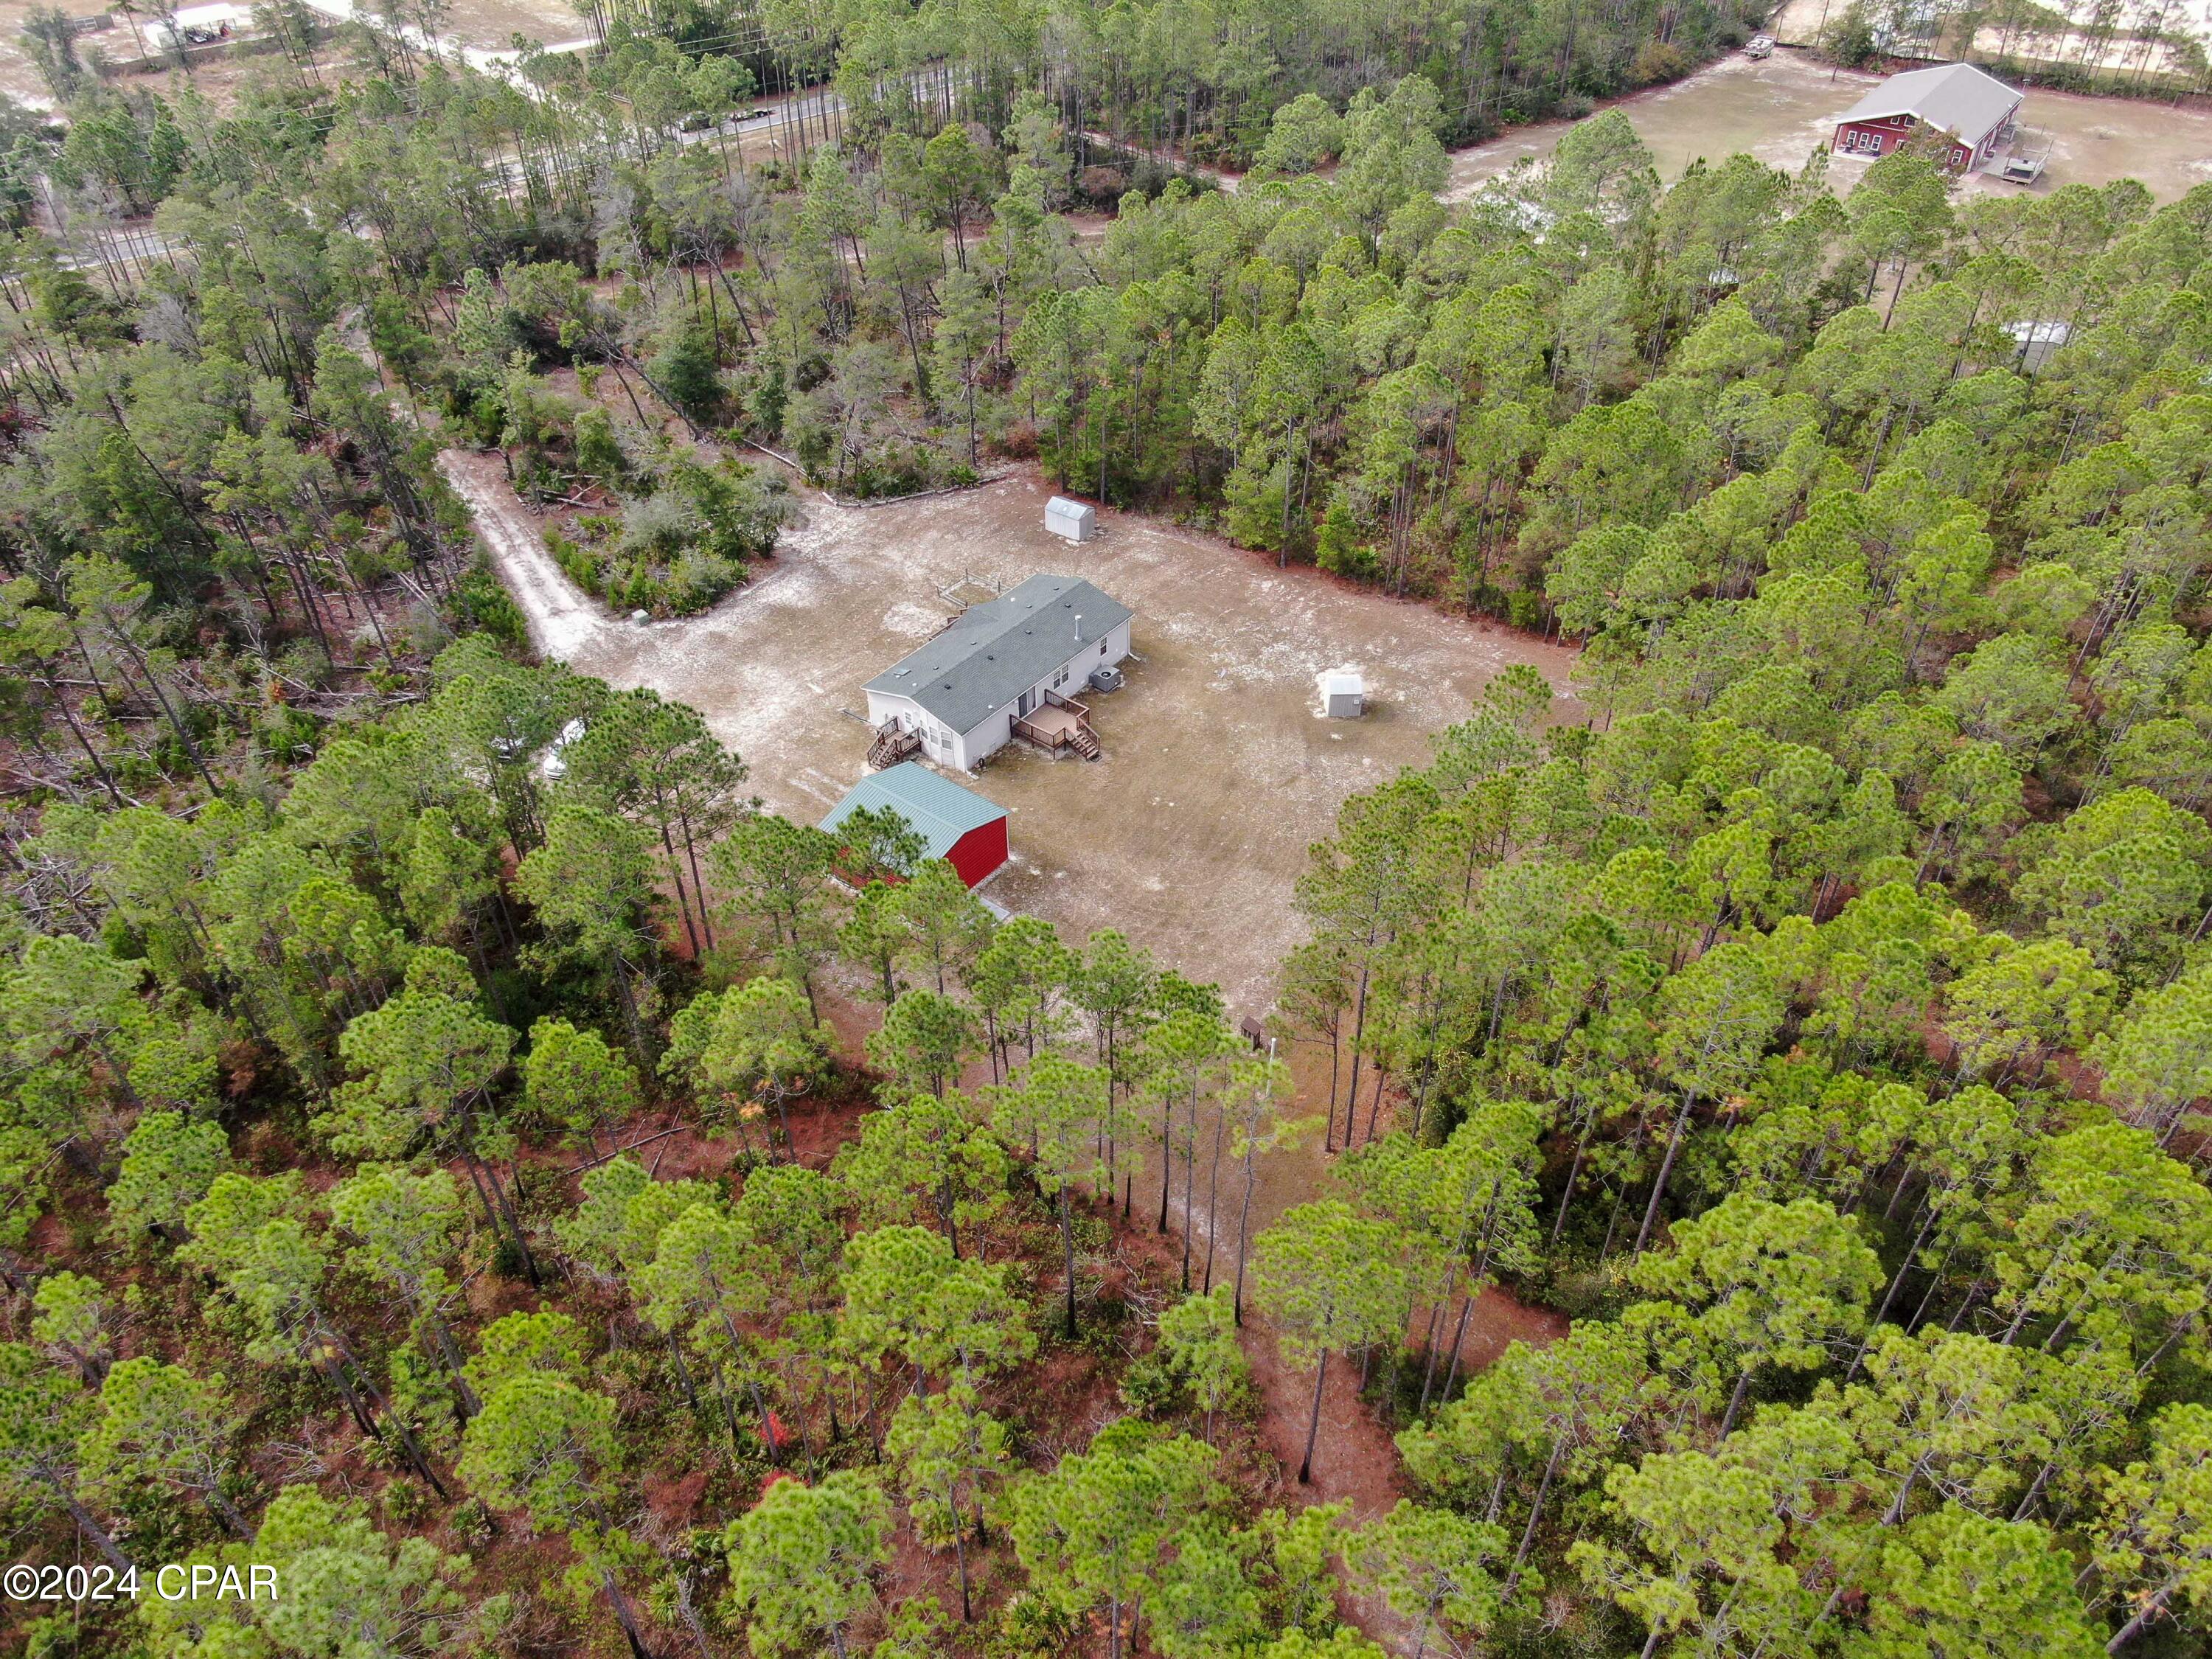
(2038,340)
(956,824)
(1073,521)
(1344,695)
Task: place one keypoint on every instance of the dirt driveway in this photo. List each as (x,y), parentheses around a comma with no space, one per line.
(1218,774)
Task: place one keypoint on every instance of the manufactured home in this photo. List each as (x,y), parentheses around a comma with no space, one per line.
(1008,670)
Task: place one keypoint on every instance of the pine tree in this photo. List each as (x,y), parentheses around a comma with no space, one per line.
(158,1422)
(1329,1280)
(1198,1341)
(42,1461)
(802,1559)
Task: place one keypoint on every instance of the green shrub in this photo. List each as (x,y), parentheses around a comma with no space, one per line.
(1149,1388)
(480,601)
(1030,1627)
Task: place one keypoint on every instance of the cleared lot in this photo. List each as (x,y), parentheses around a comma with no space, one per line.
(1783,108)
(1218,773)
(483,25)
(1779,110)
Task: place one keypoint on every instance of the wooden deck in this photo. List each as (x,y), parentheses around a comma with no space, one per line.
(1049,724)
(1059,723)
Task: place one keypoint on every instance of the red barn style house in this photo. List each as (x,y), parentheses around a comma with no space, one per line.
(959,825)
(1977,110)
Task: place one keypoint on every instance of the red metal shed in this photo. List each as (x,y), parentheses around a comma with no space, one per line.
(957,824)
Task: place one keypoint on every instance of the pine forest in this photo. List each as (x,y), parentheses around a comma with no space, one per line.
(1725,1174)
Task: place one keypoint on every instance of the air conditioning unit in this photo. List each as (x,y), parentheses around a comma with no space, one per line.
(1105,678)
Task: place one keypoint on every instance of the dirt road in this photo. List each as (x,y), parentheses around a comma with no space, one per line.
(562,619)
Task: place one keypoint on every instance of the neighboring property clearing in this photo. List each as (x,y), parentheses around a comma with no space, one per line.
(1783,109)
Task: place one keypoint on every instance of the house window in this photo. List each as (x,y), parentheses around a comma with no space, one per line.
(1060,678)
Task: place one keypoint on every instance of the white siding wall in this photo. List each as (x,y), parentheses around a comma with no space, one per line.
(1117,647)
(997,729)
(885,706)
(939,742)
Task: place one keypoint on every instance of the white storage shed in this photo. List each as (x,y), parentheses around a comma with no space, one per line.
(2039,341)
(1073,521)
(1344,695)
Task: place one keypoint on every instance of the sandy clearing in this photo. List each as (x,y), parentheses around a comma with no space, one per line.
(1782,108)
(1218,773)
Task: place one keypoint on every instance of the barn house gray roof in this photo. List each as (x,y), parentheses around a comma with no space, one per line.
(993,652)
(1956,98)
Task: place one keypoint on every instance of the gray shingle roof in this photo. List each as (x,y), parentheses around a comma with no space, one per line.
(937,807)
(1955,97)
(996,651)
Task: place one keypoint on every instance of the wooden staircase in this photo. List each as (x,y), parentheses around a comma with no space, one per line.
(893,744)
(1084,742)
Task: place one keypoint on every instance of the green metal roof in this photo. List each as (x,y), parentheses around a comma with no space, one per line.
(937,808)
